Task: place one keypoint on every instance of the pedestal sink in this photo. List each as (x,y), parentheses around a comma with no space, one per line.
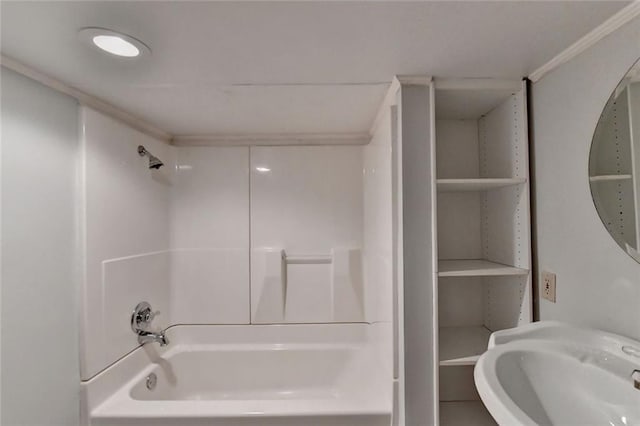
(551,373)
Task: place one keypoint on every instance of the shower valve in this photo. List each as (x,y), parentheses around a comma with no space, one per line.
(142,317)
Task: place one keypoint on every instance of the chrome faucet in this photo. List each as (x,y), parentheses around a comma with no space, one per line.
(635,376)
(146,337)
(140,323)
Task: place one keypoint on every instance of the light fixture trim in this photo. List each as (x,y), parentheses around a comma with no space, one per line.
(114,43)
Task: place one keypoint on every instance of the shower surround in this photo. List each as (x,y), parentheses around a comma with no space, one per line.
(260,259)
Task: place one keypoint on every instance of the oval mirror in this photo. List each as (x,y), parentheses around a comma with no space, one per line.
(614,164)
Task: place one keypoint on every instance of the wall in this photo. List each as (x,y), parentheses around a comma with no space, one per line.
(306,202)
(177,237)
(180,237)
(125,232)
(377,226)
(210,236)
(40,374)
(597,283)
(418,253)
(116,233)
(378,268)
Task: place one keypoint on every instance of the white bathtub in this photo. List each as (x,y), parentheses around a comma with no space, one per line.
(272,375)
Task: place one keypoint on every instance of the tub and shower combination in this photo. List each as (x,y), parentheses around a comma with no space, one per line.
(267,375)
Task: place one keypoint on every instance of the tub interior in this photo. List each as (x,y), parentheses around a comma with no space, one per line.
(269,373)
(259,375)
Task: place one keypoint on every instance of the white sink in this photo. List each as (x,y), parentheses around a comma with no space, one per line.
(551,373)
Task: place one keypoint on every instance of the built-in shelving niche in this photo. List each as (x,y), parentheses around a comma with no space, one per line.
(484,280)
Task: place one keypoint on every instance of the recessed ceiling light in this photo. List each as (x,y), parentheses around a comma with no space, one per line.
(112,42)
(262,169)
(116,45)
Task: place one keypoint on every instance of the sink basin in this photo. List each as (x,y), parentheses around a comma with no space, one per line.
(551,373)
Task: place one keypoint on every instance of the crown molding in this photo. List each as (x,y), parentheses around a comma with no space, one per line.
(85,99)
(391,97)
(415,80)
(272,139)
(616,21)
(477,84)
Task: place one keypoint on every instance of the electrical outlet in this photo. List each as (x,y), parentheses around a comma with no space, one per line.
(548,289)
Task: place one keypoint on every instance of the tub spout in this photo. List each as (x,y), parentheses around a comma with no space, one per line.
(146,337)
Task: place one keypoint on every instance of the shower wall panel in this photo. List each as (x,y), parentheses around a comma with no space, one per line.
(210,236)
(125,236)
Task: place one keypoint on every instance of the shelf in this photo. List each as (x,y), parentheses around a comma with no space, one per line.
(458,413)
(476,268)
(608,178)
(462,345)
(471,98)
(476,184)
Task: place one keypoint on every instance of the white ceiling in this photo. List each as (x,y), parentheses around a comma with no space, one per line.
(267,67)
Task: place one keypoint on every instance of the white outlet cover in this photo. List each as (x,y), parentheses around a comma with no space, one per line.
(548,286)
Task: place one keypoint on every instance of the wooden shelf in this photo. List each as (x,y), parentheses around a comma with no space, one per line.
(608,178)
(476,184)
(476,268)
(462,345)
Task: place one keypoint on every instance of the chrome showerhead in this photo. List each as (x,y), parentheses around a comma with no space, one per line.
(154,162)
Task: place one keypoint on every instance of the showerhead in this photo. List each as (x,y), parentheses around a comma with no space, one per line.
(154,162)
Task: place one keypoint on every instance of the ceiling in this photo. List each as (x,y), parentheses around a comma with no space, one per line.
(276,67)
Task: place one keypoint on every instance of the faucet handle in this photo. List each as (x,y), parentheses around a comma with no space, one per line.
(142,316)
(152,315)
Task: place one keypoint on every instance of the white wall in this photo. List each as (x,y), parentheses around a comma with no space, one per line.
(180,237)
(125,237)
(210,236)
(418,257)
(177,237)
(307,201)
(377,226)
(378,241)
(40,372)
(597,283)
